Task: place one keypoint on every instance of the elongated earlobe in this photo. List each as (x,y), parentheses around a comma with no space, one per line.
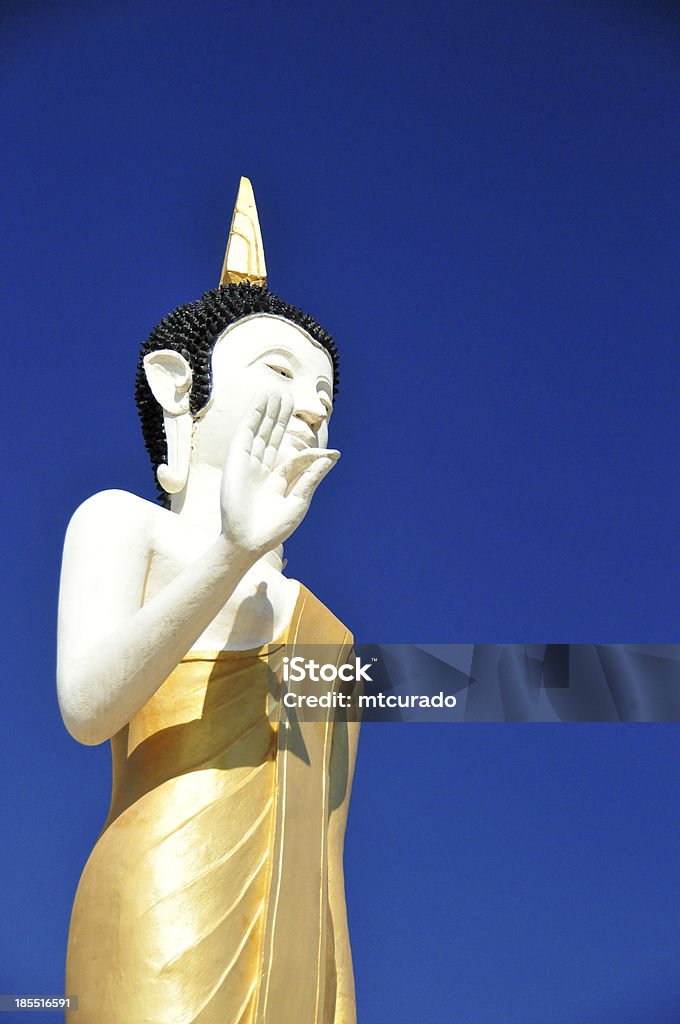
(169,377)
(172,475)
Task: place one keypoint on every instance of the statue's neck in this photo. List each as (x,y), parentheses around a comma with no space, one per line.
(198,503)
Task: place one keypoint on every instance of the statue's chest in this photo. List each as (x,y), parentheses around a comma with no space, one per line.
(257,611)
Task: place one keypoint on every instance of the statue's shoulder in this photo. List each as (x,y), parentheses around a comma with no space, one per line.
(111,504)
(114,514)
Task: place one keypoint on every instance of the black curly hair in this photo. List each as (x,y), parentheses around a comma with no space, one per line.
(192,330)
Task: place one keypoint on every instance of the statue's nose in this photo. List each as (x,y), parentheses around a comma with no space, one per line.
(310,409)
(312,418)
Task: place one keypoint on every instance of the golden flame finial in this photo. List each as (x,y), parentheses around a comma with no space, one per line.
(244,258)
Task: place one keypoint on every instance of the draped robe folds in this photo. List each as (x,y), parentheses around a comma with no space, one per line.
(215,892)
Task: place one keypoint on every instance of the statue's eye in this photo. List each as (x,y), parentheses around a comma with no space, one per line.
(283,371)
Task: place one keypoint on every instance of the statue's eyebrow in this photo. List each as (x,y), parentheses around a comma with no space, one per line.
(276,350)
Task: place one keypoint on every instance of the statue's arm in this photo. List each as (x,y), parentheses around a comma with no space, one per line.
(343,758)
(114,652)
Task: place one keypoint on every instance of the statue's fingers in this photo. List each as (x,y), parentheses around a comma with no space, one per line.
(295,466)
(310,478)
(250,424)
(267,424)
(278,430)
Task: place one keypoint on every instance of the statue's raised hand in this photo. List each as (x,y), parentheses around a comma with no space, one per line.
(264,496)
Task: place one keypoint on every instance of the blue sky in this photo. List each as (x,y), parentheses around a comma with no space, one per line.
(480,201)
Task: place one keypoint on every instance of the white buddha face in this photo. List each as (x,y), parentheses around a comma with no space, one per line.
(265,353)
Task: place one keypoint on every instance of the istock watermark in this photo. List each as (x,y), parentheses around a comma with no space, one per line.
(476,682)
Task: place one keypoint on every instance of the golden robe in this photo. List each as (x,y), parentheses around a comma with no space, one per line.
(215,893)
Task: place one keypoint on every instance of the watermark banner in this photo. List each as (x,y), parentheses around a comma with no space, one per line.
(477,682)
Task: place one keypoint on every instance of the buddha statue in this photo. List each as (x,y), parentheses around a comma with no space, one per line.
(214,893)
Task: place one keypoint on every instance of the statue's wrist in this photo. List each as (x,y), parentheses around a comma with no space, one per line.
(234,557)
